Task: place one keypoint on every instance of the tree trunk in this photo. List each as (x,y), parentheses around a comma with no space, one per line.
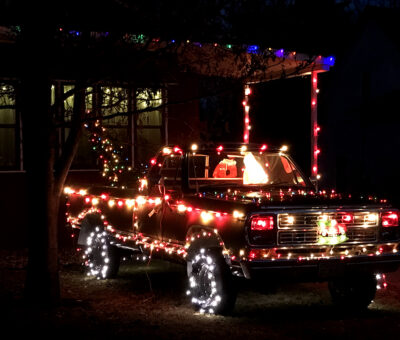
(46,170)
(42,283)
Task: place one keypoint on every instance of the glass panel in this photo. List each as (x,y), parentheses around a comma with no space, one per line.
(114,100)
(89,99)
(68,103)
(7,148)
(7,98)
(242,168)
(85,157)
(53,95)
(119,136)
(171,170)
(148,143)
(153,118)
(147,98)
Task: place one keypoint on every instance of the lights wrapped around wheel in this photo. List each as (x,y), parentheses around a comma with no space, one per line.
(97,254)
(203,287)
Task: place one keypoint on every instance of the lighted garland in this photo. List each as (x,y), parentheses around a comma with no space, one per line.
(207,218)
(109,155)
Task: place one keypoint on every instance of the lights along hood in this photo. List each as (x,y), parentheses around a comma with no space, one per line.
(290,198)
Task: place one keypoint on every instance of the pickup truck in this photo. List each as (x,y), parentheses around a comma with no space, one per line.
(231,213)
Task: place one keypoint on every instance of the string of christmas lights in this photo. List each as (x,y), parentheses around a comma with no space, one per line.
(209,218)
(141,39)
(110,156)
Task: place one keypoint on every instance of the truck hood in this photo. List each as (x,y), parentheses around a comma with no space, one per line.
(299,198)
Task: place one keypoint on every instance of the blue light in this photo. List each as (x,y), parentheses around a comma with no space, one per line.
(252,49)
(173,41)
(280,53)
(329,61)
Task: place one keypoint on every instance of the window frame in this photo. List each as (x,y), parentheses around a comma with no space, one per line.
(17,128)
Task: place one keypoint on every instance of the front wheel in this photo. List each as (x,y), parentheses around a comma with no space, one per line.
(211,285)
(353,293)
(102,258)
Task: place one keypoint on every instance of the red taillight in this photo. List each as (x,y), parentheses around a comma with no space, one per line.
(262,223)
(390,219)
(347,218)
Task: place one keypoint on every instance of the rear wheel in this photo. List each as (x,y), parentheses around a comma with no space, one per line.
(354,293)
(102,258)
(211,286)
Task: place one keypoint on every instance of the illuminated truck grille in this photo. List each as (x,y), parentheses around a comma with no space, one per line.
(302,228)
(297,237)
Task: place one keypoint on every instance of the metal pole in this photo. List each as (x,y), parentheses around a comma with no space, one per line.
(314,126)
(165,99)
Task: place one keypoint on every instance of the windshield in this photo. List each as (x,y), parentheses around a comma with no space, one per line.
(243,169)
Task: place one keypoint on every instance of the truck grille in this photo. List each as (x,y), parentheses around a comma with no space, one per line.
(297,237)
(302,228)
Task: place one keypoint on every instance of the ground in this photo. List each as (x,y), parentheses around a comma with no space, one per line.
(148,300)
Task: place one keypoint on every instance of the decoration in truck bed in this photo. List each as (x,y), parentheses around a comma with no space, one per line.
(253,171)
(225,169)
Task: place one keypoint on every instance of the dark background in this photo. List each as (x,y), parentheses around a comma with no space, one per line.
(358,103)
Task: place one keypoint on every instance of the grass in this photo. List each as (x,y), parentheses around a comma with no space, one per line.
(149,301)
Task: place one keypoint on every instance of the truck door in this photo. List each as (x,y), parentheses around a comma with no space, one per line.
(163,190)
(173,222)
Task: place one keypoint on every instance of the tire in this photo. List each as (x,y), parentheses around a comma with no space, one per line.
(353,293)
(102,258)
(211,286)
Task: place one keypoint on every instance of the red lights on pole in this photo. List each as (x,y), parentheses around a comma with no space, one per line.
(246,125)
(314,125)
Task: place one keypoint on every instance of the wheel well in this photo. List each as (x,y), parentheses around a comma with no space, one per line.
(199,236)
(88,225)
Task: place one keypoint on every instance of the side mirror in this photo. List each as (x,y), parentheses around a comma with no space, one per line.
(153,179)
(161,186)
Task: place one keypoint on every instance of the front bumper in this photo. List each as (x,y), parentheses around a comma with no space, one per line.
(311,266)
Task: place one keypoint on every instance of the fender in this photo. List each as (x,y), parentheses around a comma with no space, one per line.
(200,236)
(88,225)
